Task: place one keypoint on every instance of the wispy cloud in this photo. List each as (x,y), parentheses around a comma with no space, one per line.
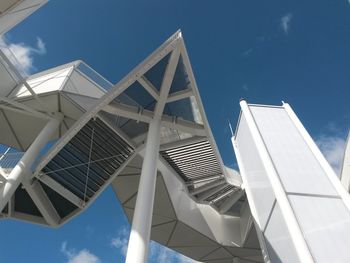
(332,147)
(121,241)
(249,51)
(161,254)
(332,144)
(82,256)
(285,22)
(22,55)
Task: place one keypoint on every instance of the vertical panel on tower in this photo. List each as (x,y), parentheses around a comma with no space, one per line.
(320,210)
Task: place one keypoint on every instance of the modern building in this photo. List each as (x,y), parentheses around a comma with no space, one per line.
(71,133)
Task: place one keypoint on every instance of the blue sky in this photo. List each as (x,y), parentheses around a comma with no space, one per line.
(263,51)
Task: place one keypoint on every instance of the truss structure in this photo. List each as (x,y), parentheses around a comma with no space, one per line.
(71,133)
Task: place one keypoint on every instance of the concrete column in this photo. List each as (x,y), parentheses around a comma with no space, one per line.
(141,223)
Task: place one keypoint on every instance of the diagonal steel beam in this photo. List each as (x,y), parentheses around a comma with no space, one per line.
(166,82)
(149,87)
(42,202)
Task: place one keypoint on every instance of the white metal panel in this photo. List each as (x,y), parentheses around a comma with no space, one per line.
(253,169)
(278,240)
(43,84)
(7,82)
(78,84)
(297,167)
(321,212)
(202,218)
(26,133)
(50,99)
(6,4)
(326,226)
(6,133)
(16,12)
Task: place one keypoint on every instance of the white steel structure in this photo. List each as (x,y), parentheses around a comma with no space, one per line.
(72,133)
(296,199)
(345,169)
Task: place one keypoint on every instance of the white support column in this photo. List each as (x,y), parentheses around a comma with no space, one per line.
(290,219)
(141,223)
(24,165)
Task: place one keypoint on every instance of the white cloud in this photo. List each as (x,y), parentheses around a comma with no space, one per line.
(22,55)
(82,256)
(161,254)
(333,148)
(285,22)
(121,241)
(249,51)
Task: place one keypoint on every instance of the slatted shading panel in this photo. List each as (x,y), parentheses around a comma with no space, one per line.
(194,161)
(89,159)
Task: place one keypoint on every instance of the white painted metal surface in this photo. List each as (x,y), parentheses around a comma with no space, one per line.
(91,105)
(345,171)
(295,198)
(23,168)
(14,11)
(141,224)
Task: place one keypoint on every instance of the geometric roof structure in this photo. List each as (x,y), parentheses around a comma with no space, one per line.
(71,134)
(14,11)
(101,139)
(66,89)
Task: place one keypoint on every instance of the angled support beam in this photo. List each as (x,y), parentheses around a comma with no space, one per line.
(25,83)
(166,82)
(43,203)
(130,112)
(231,201)
(135,113)
(54,185)
(22,108)
(27,217)
(23,167)
(11,210)
(185,126)
(149,87)
(179,95)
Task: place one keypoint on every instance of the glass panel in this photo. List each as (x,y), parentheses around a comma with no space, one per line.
(156,73)
(138,94)
(94,76)
(180,81)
